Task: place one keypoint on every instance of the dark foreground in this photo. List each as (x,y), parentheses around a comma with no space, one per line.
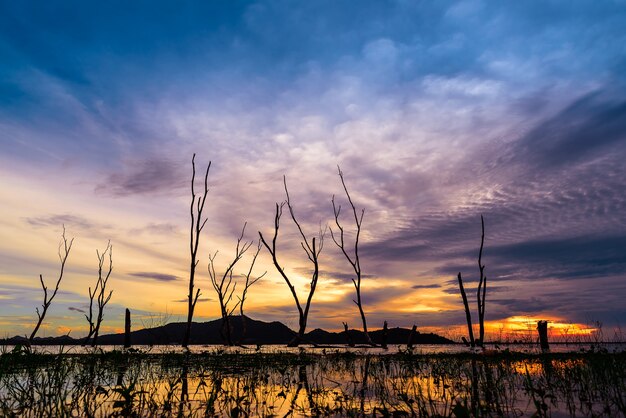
(219,383)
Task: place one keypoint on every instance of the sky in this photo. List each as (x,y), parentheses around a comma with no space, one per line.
(437,113)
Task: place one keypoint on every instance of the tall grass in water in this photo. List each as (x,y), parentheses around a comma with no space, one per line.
(332,384)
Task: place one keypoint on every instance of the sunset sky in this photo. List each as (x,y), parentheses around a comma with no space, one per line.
(436,111)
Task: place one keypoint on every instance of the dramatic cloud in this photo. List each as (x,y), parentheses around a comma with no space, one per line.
(571,258)
(426,286)
(582,131)
(70,221)
(145,177)
(340,276)
(437,113)
(161,277)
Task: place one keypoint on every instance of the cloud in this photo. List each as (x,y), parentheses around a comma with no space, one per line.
(436,111)
(153,176)
(522,197)
(426,286)
(453,288)
(199,300)
(71,308)
(69,220)
(160,228)
(579,257)
(161,277)
(328,274)
(582,130)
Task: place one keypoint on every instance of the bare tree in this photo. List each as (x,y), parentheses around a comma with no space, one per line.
(89,318)
(154,322)
(102,298)
(468,314)
(156,319)
(244,293)
(385,332)
(225,286)
(346,331)
(197,224)
(482,286)
(352,259)
(481,294)
(64,252)
(312,248)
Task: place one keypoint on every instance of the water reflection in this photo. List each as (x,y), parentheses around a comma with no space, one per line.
(423,349)
(306,384)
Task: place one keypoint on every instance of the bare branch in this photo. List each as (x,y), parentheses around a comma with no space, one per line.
(305,244)
(101,284)
(482,285)
(353,259)
(64,252)
(225,286)
(197,224)
(312,248)
(248,283)
(272,251)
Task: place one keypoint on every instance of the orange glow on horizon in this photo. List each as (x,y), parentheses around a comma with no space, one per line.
(516,327)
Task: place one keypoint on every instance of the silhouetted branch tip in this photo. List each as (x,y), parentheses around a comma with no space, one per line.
(47,301)
(353,259)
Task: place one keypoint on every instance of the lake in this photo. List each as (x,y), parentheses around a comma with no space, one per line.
(276,381)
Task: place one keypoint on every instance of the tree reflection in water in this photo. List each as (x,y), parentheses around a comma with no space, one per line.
(335,384)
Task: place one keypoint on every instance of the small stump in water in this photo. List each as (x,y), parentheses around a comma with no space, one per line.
(542,328)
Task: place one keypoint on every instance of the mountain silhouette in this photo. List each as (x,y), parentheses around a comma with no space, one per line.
(257,332)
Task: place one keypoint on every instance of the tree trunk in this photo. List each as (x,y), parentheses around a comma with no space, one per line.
(468,315)
(244,327)
(368,339)
(299,336)
(226,330)
(409,343)
(542,328)
(127,329)
(39,321)
(96,332)
(384,341)
(348,337)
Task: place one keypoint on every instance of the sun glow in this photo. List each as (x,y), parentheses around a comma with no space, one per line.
(524,327)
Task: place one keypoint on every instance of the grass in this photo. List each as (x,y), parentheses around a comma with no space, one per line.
(219,383)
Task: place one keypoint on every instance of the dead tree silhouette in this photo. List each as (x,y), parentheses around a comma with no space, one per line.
(225,285)
(64,252)
(127,329)
(197,224)
(481,294)
(542,328)
(468,314)
(346,331)
(354,260)
(384,335)
(102,297)
(312,248)
(244,293)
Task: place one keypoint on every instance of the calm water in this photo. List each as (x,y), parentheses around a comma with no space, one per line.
(392,349)
(275,381)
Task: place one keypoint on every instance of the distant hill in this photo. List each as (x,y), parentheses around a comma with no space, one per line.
(258,332)
(394,336)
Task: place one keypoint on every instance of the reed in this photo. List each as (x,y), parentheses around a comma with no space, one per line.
(335,383)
